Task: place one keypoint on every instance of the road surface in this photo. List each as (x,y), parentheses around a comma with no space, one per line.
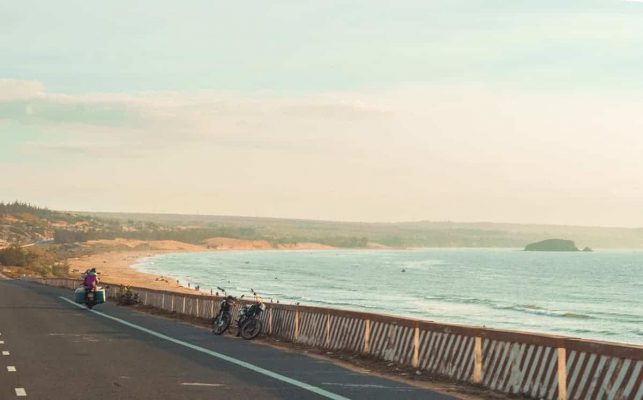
(53,350)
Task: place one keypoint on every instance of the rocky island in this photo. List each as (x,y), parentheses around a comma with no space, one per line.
(552,245)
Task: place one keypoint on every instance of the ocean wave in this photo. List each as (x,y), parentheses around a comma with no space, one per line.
(533,309)
(523,308)
(583,331)
(459,299)
(619,317)
(339,303)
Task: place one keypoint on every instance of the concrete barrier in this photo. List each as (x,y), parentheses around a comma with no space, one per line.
(536,366)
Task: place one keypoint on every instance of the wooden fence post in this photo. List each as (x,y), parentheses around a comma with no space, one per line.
(172,310)
(389,335)
(270,321)
(296,324)
(367,336)
(197,307)
(562,373)
(327,329)
(183,311)
(477,360)
(416,346)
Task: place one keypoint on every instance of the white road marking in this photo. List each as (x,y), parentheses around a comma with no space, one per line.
(5,353)
(11,368)
(367,386)
(232,360)
(201,384)
(64,334)
(1,341)
(20,392)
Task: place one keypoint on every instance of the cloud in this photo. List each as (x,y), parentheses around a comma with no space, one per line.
(103,122)
(414,129)
(78,149)
(415,151)
(12,89)
(436,119)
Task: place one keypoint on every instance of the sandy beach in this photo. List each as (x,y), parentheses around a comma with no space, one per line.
(115,267)
(114,259)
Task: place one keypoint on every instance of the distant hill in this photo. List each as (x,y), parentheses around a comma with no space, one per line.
(22,224)
(552,245)
(402,234)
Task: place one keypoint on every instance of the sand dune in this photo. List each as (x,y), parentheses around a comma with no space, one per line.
(223,243)
(163,245)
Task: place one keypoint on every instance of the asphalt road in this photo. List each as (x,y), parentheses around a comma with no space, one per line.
(51,349)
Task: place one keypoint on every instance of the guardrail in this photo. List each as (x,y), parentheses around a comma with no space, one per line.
(536,366)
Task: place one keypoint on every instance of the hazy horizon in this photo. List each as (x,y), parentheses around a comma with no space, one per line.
(277,217)
(524,112)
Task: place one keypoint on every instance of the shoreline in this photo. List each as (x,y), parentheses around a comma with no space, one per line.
(117,268)
(115,260)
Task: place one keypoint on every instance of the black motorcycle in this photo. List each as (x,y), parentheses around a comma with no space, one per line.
(221,322)
(248,323)
(90,298)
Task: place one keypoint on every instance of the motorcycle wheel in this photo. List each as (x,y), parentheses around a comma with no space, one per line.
(221,324)
(251,329)
(90,301)
(240,322)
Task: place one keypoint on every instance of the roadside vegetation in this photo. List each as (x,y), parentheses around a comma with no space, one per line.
(126,297)
(19,261)
(38,241)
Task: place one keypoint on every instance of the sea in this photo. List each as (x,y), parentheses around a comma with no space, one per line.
(594,295)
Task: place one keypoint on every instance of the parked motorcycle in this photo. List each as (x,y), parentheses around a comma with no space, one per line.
(249,325)
(221,321)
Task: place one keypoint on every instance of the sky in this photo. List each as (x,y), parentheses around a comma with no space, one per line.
(526,111)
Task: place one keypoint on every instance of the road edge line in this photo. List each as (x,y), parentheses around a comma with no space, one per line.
(232,360)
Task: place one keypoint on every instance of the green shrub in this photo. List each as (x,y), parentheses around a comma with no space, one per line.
(16,256)
(126,297)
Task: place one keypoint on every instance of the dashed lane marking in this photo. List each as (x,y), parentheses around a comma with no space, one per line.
(5,353)
(11,368)
(1,341)
(20,392)
(232,360)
